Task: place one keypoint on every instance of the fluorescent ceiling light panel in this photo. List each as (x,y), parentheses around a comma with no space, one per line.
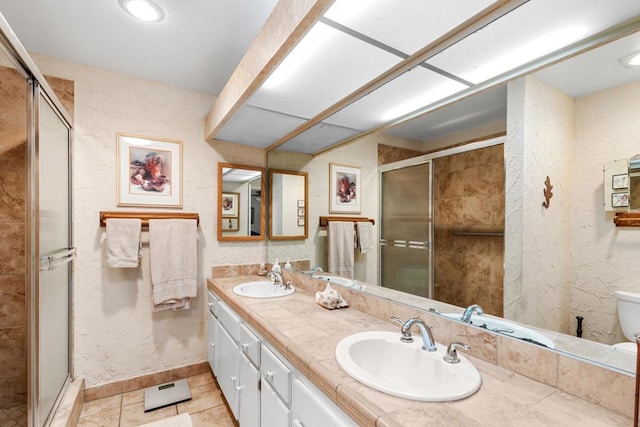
(405,25)
(307,48)
(526,52)
(406,93)
(528,32)
(145,10)
(326,66)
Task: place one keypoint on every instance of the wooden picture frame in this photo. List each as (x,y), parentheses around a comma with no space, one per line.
(149,171)
(344,188)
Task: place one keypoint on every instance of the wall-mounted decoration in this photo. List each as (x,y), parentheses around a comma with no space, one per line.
(344,187)
(300,222)
(149,171)
(619,182)
(548,194)
(230,224)
(301,203)
(620,200)
(301,212)
(230,205)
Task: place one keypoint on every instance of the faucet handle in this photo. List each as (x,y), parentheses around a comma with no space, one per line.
(397,320)
(452,354)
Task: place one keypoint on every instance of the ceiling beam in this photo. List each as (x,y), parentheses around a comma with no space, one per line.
(285,27)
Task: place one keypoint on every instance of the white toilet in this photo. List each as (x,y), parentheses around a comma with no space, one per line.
(629,315)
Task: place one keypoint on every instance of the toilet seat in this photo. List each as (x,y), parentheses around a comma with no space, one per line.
(627,347)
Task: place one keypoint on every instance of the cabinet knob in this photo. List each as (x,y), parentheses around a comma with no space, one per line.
(268,375)
(245,347)
(232,379)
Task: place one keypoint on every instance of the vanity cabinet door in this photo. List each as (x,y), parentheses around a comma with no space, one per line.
(249,393)
(226,362)
(212,328)
(311,409)
(273,412)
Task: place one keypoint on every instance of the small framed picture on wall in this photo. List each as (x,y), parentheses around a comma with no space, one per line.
(620,200)
(620,182)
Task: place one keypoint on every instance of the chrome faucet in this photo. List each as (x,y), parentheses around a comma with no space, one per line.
(466,316)
(452,353)
(277,277)
(428,343)
(314,269)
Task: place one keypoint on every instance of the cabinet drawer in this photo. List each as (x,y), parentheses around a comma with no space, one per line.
(230,320)
(212,303)
(276,373)
(250,345)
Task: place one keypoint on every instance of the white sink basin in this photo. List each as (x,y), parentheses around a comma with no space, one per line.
(506,328)
(380,360)
(335,279)
(261,289)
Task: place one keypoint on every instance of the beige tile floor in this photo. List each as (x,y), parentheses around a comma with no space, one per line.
(206,407)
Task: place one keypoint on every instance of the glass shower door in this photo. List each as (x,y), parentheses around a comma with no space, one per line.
(54,243)
(405,218)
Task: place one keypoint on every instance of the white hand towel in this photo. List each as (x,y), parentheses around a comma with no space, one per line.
(173,256)
(341,236)
(123,243)
(364,231)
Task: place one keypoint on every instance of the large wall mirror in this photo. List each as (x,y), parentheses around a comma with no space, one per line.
(241,205)
(537,266)
(287,205)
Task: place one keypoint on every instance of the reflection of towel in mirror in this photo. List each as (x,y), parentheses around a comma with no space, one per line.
(364,236)
(123,242)
(173,254)
(340,236)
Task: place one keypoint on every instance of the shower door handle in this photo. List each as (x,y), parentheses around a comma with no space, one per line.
(55,260)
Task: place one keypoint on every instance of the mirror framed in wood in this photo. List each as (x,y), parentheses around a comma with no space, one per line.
(241,202)
(288,200)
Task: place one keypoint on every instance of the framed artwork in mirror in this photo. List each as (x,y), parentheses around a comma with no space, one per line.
(301,203)
(149,171)
(230,205)
(300,222)
(230,224)
(344,188)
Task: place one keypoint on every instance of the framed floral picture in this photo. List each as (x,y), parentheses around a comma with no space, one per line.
(230,205)
(344,188)
(149,171)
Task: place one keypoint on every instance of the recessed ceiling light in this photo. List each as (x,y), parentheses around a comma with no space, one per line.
(145,10)
(631,61)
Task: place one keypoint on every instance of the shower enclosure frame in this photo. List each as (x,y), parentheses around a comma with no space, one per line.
(414,161)
(38,88)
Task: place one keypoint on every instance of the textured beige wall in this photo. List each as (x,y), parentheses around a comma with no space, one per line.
(540,143)
(605,258)
(116,336)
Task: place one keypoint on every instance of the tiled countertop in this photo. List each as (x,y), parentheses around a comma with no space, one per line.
(307,335)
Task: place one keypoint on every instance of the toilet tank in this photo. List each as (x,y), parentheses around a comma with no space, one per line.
(629,313)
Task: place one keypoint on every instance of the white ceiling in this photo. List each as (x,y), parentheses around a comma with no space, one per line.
(197,46)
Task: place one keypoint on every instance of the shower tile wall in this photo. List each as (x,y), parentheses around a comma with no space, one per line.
(469,195)
(13,369)
(13,264)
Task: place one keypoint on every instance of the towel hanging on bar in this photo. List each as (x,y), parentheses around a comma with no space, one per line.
(123,243)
